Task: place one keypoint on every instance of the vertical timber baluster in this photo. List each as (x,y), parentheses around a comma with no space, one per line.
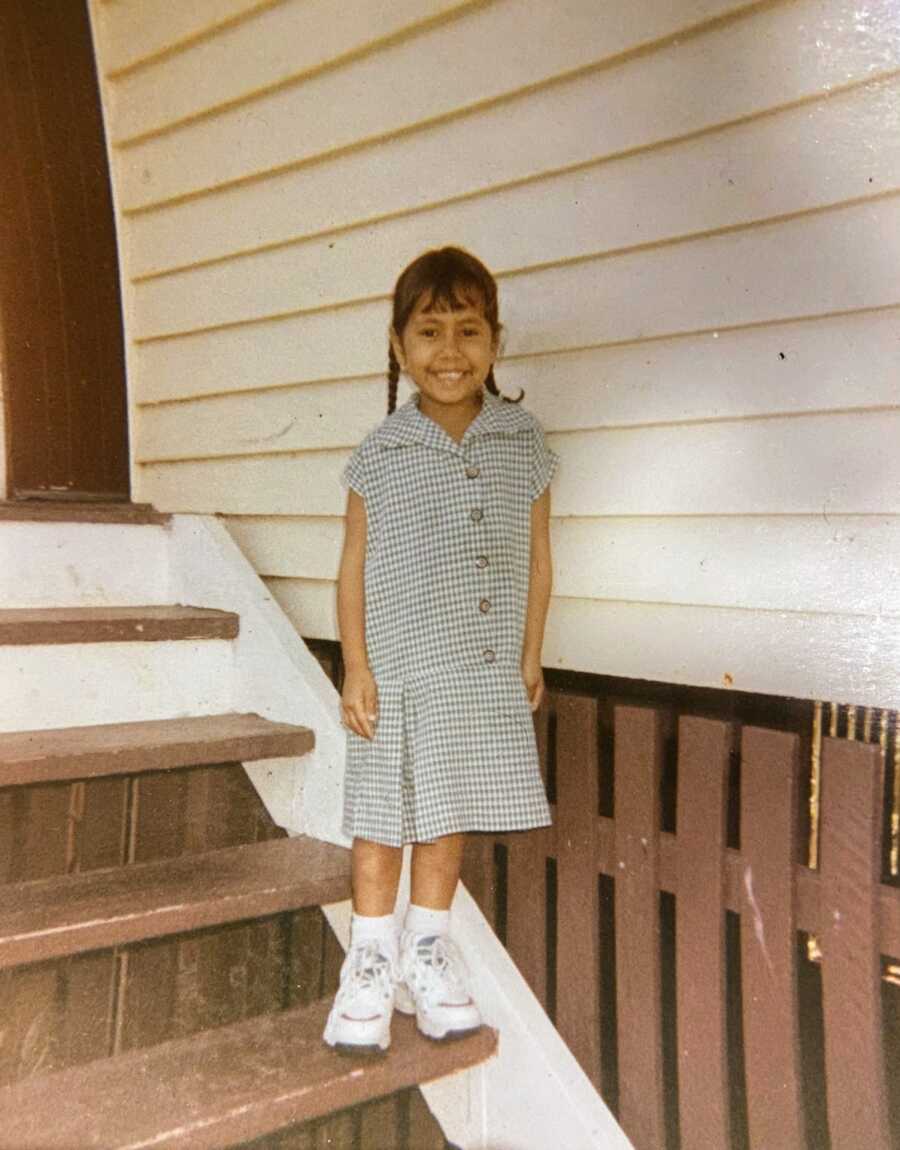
(851,964)
(638,770)
(703,757)
(770,767)
(578,911)
(526,905)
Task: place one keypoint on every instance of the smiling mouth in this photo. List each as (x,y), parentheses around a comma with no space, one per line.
(449,376)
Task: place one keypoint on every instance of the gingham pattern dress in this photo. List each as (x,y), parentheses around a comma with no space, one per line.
(446,586)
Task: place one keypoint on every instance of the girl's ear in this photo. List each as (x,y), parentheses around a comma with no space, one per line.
(398,348)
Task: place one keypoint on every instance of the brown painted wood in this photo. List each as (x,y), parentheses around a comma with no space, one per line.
(704,747)
(578,912)
(72,511)
(526,899)
(64,373)
(380,1122)
(85,1028)
(808,884)
(74,913)
(24,626)
(30,1001)
(100,839)
(42,817)
(852,780)
(424,1130)
(222,1086)
(526,907)
(477,873)
(770,771)
(162,744)
(638,772)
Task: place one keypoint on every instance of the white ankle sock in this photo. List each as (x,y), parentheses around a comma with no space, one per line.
(381,928)
(425,921)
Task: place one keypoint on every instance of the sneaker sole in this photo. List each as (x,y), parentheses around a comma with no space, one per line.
(348,1050)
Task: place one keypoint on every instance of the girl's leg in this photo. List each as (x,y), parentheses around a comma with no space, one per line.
(375,875)
(434,975)
(435,871)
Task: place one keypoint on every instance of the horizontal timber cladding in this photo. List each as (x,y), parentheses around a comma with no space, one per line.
(491,59)
(850,466)
(693,211)
(771,564)
(226,66)
(712,183)
(789,269)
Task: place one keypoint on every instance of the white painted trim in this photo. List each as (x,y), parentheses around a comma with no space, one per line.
(275,675)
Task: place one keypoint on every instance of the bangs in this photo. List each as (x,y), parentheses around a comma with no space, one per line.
(447,278)
(455,296)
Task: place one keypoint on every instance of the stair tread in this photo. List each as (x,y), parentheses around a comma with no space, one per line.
(74,511)
(68,914)
(151,622)
(221,1086)
(155,744)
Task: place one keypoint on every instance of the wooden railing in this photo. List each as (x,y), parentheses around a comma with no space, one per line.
(663,920)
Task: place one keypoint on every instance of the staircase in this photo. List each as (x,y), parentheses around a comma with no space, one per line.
(96,689)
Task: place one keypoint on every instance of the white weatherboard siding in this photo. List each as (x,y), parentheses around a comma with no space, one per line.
(694,214)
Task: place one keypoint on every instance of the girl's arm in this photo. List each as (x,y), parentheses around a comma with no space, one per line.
(540,583)
(359,699)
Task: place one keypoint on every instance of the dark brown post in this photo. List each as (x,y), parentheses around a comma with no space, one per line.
(703,757)
(638,769)
(769,787)
(851,964)
(578,917)
(526,895)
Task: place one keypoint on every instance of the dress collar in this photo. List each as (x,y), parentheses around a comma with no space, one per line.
(408,425)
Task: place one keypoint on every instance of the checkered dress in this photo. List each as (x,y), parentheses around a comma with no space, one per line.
(446,584)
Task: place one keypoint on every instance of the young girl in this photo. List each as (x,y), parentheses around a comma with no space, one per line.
(442,597)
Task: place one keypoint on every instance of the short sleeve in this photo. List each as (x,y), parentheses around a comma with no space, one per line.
(544,463)
(356,474)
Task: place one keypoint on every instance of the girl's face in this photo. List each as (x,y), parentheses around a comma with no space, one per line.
(447,353)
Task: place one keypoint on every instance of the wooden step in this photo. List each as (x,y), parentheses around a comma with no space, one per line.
(221,1087)
(49,918)
(67,753)
(71,511)
(53,625)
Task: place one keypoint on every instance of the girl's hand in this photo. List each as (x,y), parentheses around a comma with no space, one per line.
(533,678)
(359,702)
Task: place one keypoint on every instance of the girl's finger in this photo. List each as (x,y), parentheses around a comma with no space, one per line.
(364,725)
(351,721)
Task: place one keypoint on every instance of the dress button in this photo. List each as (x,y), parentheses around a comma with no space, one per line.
(481,562)
(473,472)
(490,656)
(477,514)
(484,606)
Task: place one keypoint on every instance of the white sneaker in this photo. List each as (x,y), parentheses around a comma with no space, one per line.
(360,1018)
(434,986)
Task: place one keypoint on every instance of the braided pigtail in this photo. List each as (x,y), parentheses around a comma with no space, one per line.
(393,376)
(491,384)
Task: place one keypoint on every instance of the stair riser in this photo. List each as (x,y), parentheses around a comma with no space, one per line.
(83,564)
(177,919)
(83,683)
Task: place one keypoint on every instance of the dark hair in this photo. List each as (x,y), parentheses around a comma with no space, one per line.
(448,276)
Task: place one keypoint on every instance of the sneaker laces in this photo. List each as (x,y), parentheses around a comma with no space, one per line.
(366,970)
(439,967)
